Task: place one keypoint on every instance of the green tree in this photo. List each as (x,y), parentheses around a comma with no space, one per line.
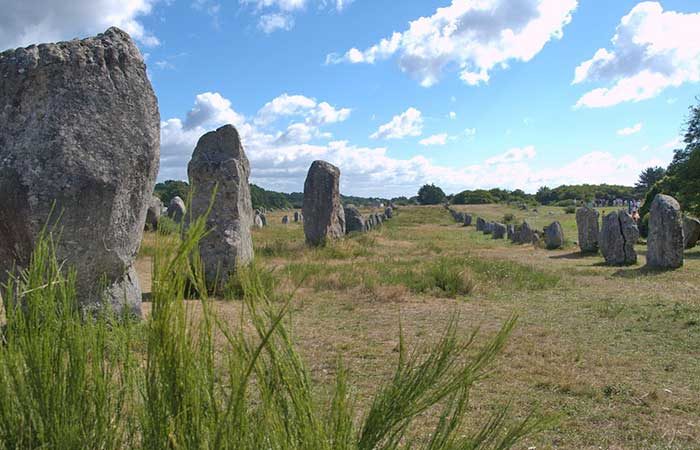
(544,195)
(648,178)
(683,174)
(430,194)
(172,188)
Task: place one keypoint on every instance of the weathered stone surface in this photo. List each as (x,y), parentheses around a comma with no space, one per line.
(155,208)
(324,218)
(488,228)
(618,235)
(378,219)
(525,234)
(296,216)
(79,129)
(263,219)
(480,224)
(257,222)
(177,209)
(666,242)
(354,221)
(468,220)
(587,222)
(389,212)
(499,230)
(554,236)
(459,217)
(219,164)
(691,231)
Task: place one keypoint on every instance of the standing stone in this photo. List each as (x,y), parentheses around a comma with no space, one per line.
(467,220)
(219,164)
(691,231)
(459,217)
(155,207)
(258,223)
(666,242)
(285,219)
(553,236)
(354,222)
(296,216)
(177,209)
(526,235)
(618,235)
(587,220)
(377,219)
(79,135)
(263,219)
(499,230)
(324,218)
(389,212)
(488,228)
(510,231)
(480,224)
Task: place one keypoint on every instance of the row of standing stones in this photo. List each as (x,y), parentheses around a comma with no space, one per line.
(670,233)
(79,153)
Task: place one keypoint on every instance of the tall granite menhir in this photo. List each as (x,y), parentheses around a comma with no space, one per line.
(79,133)
(666,241)
(219,163)
(324,218)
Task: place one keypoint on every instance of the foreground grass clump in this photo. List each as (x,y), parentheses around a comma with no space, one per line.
(69,381)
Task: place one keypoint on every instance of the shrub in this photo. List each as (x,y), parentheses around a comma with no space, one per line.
(508,218)
(570,210)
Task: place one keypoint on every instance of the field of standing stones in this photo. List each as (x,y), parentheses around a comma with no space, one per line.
(608,333)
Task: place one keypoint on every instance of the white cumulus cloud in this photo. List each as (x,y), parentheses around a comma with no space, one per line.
(408,123)
(274,15)
(513,155)
(475,36)
(32,22)
(628,131)
(280,158)
(651,50)
(436,139)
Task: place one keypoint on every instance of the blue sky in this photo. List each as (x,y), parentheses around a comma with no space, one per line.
(465,94)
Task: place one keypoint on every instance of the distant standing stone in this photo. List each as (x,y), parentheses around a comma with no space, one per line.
(499,230)
(354,221)
(666,242)
(510,231)
(618,235)
(480,224)
(155,207)
(285,219)
(389,212)
(258,223)
(488,228)
(324,218)
(79,134)
(296,216)
(467,220)
(526,234)
(219,164)
(177,209)
(587,222)
(691,231)
(554,236)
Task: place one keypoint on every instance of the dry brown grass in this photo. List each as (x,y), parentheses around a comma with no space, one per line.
(614,352)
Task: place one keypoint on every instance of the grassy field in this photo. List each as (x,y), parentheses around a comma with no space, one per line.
(612,352)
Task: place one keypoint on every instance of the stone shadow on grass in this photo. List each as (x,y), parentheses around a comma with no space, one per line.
(639,271)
